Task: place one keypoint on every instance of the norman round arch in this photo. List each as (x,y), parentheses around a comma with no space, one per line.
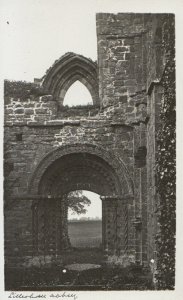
(68,69)
(81,166)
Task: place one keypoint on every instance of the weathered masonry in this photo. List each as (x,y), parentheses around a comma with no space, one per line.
(108,148)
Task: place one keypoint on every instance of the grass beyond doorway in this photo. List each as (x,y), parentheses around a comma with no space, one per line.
(86,233)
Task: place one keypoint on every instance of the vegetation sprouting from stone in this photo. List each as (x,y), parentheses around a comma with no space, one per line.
(22,89)
(166,172)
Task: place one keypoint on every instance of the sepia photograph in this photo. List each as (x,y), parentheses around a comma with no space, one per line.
(89,148)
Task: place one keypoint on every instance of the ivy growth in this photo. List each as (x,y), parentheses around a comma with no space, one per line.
(22,89)
(166,166)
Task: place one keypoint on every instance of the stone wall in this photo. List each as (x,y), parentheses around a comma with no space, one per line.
(123,121)
(132,60)
(35,127)
(122,59)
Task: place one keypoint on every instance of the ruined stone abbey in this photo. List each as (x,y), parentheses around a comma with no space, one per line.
(108,148)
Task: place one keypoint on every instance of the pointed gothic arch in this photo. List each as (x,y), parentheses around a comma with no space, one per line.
(68,69)
(77,94)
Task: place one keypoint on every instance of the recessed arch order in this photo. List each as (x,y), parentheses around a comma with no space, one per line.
(81,166)
(69,68)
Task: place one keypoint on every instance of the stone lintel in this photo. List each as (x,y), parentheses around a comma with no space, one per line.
(51,123)
(63,122)
(124,198)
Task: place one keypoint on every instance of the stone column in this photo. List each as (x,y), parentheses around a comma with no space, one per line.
(122,227)
(109,224)
(35,227)
(138,236)
(115,223)
(65,241)
(47,228)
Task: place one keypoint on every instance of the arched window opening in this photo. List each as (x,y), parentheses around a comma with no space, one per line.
(85,220)
(77,95)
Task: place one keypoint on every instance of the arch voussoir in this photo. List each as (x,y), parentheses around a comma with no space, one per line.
(123,182)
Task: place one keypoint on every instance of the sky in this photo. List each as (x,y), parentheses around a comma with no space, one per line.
(94,210)
(34,33)
(77,94)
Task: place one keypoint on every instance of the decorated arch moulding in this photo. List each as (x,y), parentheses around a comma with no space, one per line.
(106,183)
(68,69)
(116,164)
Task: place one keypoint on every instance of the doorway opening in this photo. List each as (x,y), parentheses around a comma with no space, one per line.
(85,219)
(75,171)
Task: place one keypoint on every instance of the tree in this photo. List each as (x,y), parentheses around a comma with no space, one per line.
(75,201)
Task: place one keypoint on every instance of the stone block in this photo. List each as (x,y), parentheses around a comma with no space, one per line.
(127,56)
(130,82)
(46,98)
(29,111)
(123,99)
(130,109)
(41,111)
(29,105)
(19,110)
(9,111)
(118,83)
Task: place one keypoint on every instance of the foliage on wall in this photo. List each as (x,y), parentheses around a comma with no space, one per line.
(166,166)
(21,89)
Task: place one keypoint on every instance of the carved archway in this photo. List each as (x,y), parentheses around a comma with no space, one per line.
(98,156)
(85,167)
(68,69)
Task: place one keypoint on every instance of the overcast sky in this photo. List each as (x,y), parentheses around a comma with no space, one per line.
(38,32)
(34,33)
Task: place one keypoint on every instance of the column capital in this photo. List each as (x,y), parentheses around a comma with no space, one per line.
(35,197)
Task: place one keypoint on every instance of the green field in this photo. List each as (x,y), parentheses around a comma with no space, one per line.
(86,233)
